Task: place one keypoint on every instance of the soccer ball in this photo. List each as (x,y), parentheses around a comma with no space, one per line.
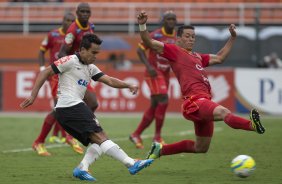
(243,166)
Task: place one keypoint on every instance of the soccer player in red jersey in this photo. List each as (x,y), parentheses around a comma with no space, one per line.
(157,77)
(75,32)
(53,42)
(189,68)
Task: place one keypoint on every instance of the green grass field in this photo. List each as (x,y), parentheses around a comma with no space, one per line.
(21,165)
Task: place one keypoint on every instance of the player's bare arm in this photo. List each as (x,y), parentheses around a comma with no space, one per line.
(116,83)
(42,77)
(153,44)
(41,60)
(65,50)
(222,54)
(142,56)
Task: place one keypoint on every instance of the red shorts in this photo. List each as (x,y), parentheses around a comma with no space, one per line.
(200,111)
(53,82)
(158,85)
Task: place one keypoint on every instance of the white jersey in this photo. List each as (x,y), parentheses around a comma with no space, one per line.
(74,76)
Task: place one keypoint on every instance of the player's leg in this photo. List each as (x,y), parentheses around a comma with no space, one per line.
(149,114)
(237,122)
(38,144)
(203,131)
(113,150)
(55,135)
(162,84)
(80,122)
(160,116)
(91,100)
(147,119)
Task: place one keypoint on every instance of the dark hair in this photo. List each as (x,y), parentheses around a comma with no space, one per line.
(88,39)
(167,14)
(181,28)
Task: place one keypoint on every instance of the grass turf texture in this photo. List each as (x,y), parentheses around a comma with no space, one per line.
(212,168)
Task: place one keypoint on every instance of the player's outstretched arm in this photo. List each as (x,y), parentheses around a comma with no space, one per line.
(153,44)
(222,54)
(116,83)
(42,77)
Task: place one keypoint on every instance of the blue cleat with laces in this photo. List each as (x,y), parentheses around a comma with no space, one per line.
(139,165)
(83,175)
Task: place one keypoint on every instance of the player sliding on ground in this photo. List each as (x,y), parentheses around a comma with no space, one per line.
(75,72)
(189,68)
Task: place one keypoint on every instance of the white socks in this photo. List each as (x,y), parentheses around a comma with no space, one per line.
(113,150)
(92,153)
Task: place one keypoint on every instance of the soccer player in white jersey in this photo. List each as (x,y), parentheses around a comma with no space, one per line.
(75,72)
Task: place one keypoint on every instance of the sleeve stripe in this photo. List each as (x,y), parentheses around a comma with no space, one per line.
(97,76)
(55,68)
(141,46)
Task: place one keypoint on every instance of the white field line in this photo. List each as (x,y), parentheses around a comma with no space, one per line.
(181,133)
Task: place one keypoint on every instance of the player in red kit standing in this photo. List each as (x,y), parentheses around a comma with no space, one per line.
(189,69)
(157,77)
(53,43)
(73,37)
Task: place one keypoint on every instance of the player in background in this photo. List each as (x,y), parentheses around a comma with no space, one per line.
(75,32)
(157,77)
(75,72)
(53,42)
(189,69)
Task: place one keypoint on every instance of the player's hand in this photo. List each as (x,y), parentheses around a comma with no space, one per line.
(232,31)
(152,72)
(133,89)
(27,102)
(142,17)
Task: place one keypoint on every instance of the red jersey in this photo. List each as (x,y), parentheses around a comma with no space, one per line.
(75,33)
(53,42)
(160,64)
(189,70)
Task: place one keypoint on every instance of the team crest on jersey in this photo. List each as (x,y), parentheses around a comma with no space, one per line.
(78,31)
(55,34)
(158,35)
(69,38)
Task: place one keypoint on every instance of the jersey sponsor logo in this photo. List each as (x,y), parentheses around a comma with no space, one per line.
(199,67)
(62,60)
(82,82)
(69,38)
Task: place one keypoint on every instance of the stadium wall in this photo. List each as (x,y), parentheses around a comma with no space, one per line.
(237,89)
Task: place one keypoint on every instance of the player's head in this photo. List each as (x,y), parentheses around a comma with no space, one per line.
(90,47)
(83,12)
(186,37)
(67,20)
(168,19)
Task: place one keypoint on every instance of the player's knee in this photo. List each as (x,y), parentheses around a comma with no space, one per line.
(223,112)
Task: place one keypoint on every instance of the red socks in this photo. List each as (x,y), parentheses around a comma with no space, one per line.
(185,146)
(146,121)
(160,115)
(46,127)
(237,122)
